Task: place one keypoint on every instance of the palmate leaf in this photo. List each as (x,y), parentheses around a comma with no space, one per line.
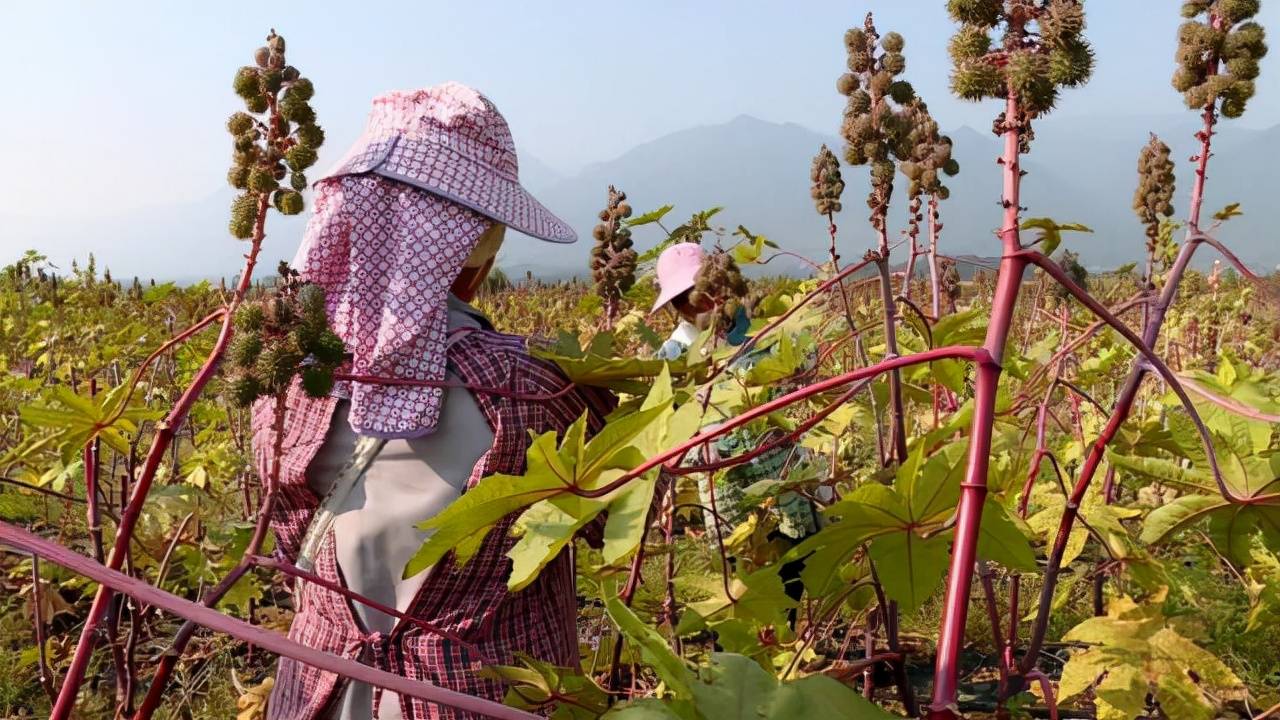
(653,647)
(1136,652)
(910,567)
(734,687)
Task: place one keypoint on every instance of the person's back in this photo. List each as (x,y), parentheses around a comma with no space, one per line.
(434,400)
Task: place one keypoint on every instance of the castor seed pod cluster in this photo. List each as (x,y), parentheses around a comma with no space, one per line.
(1041,50)
(719,282)
(613,260)
(826,184)
(275,137)
(283,336)
(876,124)
(1153,198)
(1219,50)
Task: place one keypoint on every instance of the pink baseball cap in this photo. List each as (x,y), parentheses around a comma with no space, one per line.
(451,141)
(677,271)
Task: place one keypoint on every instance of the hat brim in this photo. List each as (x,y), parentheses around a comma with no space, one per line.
(669,294)
(456,177)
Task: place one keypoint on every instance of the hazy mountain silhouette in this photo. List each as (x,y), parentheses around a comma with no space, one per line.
(1080,169)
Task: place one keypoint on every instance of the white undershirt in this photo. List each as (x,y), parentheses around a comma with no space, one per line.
(408,482)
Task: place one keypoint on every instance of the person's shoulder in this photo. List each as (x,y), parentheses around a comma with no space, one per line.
(506,356)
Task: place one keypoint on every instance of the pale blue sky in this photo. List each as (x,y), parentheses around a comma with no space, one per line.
(116,105)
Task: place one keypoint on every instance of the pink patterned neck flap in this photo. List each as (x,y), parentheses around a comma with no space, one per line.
(386,254)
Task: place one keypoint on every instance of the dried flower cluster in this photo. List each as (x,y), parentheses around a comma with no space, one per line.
(876,126)
(827,186)
(613,261)
(1041,49)
(274,138)
(282,336)
(1154,196)
(1225,36)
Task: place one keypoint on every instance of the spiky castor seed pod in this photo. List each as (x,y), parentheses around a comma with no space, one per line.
(328,349)
(239,123)
(245,349)
(297,110)
(969,43)
(1249,39)
(901,92)
(300,157)
(302,88)
(879,83)
(244,215)
(1154,194)
(244,388)
(895,63)
(1192,8)
(1061,22)
(238,177)
(277,365)
(317,382)
(859,101)
(256,104)
(1028,75)
(982,13)
(855,39)
(249,318)
(275,61)
(288,202)
(261,55)
(1244,68)
(976,80)
(1234,11)
(892,42)
(847,84)
(827,185)
(298,181)
(245,83)
(290,73)
(245,140)
(1071,64)
(1184,79)
(270,81)
(261,180)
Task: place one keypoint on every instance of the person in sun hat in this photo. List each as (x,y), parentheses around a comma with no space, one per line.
(404,230)
(795,515)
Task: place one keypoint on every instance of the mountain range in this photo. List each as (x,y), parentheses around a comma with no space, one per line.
(1081,169)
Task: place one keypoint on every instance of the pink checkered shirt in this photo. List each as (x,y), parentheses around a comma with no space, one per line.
(472,602)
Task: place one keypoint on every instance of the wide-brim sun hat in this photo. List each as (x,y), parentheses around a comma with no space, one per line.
(677,271)
(451,141)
